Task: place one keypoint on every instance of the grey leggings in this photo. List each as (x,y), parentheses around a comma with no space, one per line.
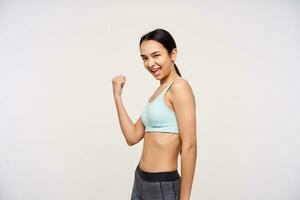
(155,186)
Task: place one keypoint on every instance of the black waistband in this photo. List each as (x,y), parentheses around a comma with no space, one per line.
(158,176)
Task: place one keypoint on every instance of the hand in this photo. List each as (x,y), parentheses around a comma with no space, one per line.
(118,83)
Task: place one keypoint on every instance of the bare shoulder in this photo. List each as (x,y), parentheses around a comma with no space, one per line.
(181,94)
(181,87)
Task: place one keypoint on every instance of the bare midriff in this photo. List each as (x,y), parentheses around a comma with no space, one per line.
(160,152)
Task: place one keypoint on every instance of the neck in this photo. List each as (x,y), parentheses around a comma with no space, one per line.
(171,76)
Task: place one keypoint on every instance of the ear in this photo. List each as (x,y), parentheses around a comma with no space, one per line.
(173,54)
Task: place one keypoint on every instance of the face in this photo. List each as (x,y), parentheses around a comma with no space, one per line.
(156,58)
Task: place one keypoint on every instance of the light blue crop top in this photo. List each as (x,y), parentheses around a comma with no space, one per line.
(157,116)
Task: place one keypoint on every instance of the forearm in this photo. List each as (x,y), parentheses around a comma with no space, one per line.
(188,164)
(126,124)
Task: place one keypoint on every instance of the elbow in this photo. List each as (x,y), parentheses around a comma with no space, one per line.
(135,138)
(130,143)
(129,138)
(190,149)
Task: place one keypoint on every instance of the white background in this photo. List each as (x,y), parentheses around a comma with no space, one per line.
(59,132)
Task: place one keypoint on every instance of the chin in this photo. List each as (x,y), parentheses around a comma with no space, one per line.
(159,77)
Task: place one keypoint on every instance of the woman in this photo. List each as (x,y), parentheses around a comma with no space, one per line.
(167,124)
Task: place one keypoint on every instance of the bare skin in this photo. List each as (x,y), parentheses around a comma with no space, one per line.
(161,150)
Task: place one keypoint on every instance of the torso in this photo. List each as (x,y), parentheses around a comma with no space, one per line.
(160,150)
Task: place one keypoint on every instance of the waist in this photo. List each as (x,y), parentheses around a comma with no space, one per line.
(158,176)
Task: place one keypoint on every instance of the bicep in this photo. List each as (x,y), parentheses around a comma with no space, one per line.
(139,129)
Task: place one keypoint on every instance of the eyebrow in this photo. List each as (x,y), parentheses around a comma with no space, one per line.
(151,53)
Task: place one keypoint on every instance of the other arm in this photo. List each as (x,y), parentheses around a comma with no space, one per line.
(185,109)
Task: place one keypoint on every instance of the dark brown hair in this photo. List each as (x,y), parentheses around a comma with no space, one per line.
(165,38)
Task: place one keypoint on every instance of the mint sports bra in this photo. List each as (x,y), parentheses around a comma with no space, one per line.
(157,116)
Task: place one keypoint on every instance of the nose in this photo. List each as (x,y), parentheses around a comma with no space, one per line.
(151,63)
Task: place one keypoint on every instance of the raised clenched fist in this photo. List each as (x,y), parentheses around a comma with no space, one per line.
(118,83)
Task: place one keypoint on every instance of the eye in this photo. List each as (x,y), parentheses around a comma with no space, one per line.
(156,56)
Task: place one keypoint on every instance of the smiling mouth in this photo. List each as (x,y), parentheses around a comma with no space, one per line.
(156,71)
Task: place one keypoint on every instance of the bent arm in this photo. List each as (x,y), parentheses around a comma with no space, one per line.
(133,132)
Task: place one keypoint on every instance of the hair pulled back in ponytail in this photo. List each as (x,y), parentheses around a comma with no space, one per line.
(165,38)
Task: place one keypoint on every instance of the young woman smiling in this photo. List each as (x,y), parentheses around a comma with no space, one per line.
(167,124)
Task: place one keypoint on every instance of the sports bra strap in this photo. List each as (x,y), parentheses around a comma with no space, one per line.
(166,89)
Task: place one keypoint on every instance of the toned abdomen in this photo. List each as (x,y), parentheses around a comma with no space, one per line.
(160,152)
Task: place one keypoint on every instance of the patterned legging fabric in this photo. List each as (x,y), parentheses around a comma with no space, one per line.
(156,190)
